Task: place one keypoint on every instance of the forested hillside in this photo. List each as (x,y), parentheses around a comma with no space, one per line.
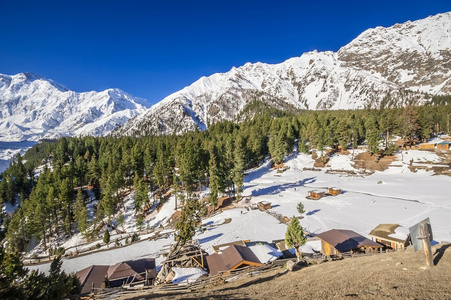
(53,204)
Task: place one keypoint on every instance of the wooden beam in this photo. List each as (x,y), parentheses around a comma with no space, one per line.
(424,231)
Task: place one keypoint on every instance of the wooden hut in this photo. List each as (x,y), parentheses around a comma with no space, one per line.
(127,272)
(316,195)
(232,258)
(334,191)
(336,242)
(443,146)
(426,146)
(393,236)
(132,271)
(264,205)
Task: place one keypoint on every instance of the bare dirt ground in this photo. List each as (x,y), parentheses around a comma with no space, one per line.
(395,275)
(370,162)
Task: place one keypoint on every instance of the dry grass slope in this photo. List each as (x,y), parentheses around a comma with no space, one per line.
(397,275)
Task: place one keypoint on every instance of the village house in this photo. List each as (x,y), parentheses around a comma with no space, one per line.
(337,242)
(232,258)
(264,205)
(443,146)
(426,146)
(316,195)
(334,191)
(393,236)
(93,277)
(133,271)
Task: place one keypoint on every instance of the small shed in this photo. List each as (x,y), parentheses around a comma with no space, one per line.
(132,271)
(264,205)
(336,242)
(316,194)
(232,258)
(426,146)
(334,191)
(443,146)
(393,236)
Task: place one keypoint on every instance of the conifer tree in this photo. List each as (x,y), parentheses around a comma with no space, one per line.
(300,208)
(213,178)
(106,236)
(238,169)
(294,237)
(81,213)
(186,226)
(66,198)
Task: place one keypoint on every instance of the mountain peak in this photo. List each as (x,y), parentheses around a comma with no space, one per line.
(401,63)
(33,107)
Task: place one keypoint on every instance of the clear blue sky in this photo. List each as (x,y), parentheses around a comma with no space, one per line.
(154,48)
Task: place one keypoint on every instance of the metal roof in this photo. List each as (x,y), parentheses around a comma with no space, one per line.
(345,240)
(229,258)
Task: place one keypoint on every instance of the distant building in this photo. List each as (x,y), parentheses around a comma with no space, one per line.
(316,195)
(443,146)
(334,191)
(264,205)
(335,242)
(426,146)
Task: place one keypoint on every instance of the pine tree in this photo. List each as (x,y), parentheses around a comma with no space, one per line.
(300,208)
(106,236)
(139,221)
(238,169)
(81,213)
(186,226)
(66,198)
(372,135)
(213,178)
(294,237)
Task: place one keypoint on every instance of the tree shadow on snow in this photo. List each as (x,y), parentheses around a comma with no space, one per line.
(257,173)
(210,238)
(275,189)
(312,212)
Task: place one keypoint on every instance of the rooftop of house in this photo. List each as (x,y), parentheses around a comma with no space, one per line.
(345,240)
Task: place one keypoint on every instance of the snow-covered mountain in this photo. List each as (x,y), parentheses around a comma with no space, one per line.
(33,107)
(393,66)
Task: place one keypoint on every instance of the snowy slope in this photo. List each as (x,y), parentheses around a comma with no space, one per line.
(396,195)
(34,107)
(415,55)
(394,65)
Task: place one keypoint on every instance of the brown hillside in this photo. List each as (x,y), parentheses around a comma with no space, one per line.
(397,275)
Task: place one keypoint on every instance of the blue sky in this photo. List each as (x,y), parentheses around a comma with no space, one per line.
(154,48)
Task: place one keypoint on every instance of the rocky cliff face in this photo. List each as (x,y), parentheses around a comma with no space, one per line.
(381,67)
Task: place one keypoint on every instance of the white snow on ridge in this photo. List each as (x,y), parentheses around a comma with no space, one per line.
(33,107)
(379,63)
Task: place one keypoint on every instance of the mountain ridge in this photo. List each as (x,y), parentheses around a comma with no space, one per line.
(392,66)
(33,107)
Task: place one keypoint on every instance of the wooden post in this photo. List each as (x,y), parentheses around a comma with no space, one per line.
(424,231)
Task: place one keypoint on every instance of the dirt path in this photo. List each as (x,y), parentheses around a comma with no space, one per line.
(396,275)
